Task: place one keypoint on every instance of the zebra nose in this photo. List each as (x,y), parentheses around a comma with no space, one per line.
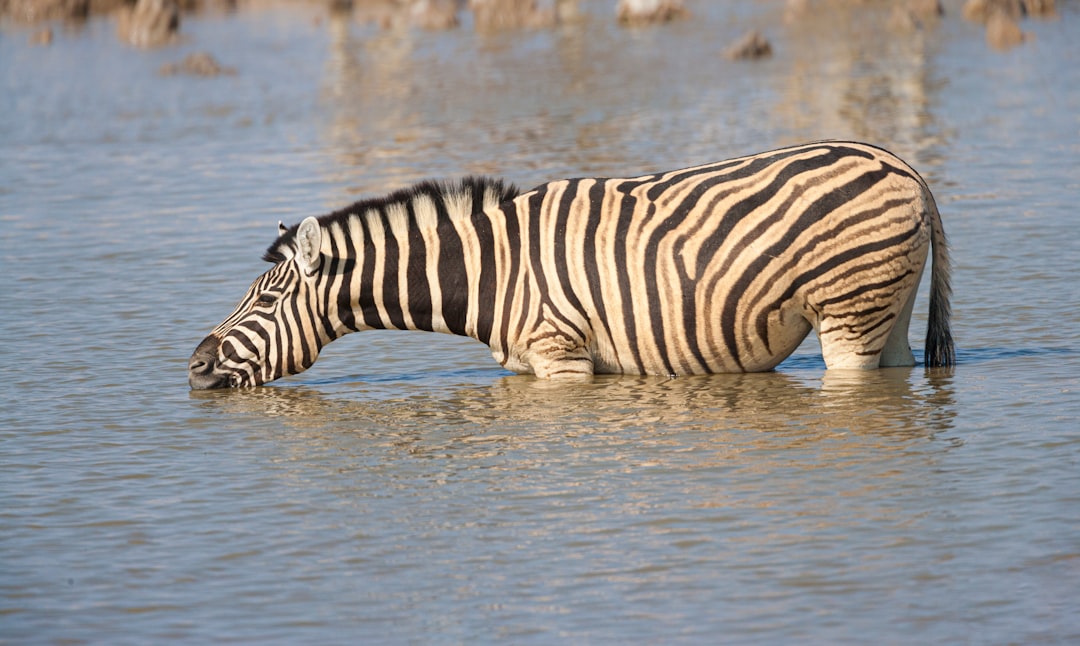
(201,365)
(204,359)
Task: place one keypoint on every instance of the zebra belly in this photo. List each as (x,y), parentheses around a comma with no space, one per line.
(699,348)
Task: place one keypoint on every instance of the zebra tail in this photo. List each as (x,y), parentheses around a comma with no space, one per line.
(939,350)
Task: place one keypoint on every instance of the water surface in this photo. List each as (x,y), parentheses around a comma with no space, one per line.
(407,489)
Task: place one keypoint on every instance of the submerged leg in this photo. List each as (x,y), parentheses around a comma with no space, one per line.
(868,332)
(565,367)
(556,352)
(862,321)
(848,353)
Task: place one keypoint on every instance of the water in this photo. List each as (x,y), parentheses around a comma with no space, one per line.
(407,489)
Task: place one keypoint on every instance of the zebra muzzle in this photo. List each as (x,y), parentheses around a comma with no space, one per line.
(202,365)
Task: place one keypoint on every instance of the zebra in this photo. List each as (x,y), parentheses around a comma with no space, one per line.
(722,267)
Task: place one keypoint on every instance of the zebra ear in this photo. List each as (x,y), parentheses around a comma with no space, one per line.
(309,245)
(281,228)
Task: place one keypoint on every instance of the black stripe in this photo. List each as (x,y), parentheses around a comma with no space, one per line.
(307,355)
(659,188)
(590,256)
(885,319)
(863,289)
(688,289)
(513,242)
(323,285)
(416,273)
(390,291)
(488,271)
(536,261)
(562,260)
(283,344)
(324,282)
(229,351)
(366,299)
(708,183)
(622,229)
(534,212)
(343,252)
(852,253)
(652,287)
(896,170)
(453,279)
(295,333)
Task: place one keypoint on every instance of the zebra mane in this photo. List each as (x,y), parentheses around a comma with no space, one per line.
(482,193)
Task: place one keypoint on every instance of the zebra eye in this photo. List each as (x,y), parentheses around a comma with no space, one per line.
(266,299)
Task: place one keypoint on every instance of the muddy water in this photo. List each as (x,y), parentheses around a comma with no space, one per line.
(407,489)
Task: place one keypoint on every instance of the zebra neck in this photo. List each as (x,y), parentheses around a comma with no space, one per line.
(425,262)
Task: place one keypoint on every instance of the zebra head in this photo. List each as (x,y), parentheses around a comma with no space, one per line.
(278,328)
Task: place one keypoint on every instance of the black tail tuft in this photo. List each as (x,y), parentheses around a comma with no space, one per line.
(940,351)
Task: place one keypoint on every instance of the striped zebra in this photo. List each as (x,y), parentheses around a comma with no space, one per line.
(724,267)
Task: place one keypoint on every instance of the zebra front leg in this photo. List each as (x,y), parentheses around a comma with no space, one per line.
(558,355)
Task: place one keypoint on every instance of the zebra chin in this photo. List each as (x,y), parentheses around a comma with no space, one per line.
(208,382)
